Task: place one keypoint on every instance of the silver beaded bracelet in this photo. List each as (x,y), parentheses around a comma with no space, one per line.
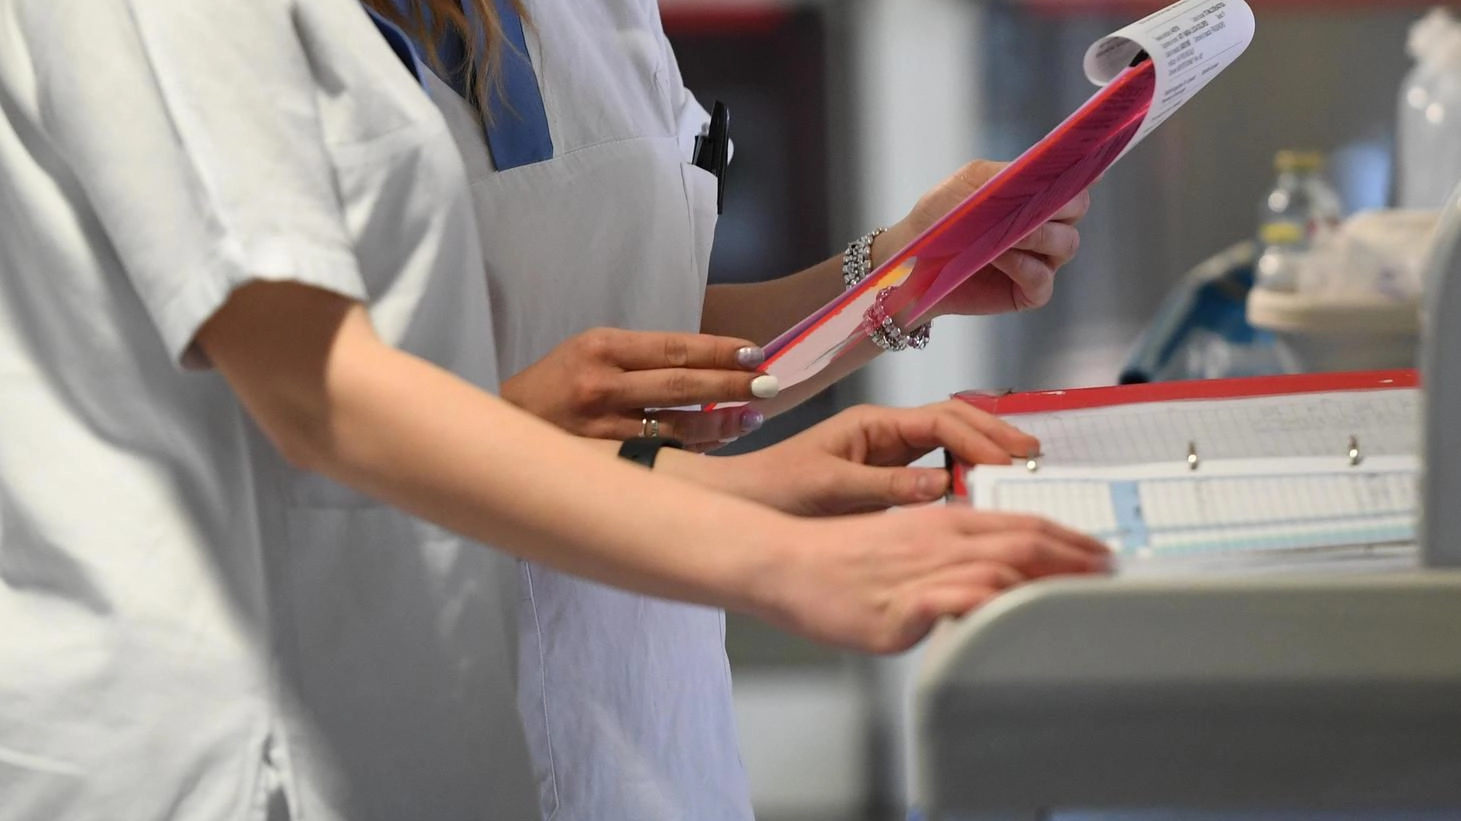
(885,333)
(857,263)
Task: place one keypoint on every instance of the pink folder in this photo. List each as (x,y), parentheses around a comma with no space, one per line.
(1014,203)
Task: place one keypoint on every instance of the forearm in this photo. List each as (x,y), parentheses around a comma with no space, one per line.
(538,493)
(761,311)
(419,438)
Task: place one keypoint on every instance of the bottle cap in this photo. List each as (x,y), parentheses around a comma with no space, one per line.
(1281,233)
(1427,33)
(1298,160)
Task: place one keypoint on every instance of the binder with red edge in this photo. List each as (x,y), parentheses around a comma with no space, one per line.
(1010,404)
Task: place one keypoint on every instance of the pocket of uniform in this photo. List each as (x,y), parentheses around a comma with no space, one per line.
(701,195)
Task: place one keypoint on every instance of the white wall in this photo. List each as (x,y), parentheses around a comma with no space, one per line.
(918,92)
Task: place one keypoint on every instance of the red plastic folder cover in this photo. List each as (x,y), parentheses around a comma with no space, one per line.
(1067,402)
(1011,404)
(1147,70)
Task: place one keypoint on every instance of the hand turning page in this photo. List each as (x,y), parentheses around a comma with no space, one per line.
(1147,71)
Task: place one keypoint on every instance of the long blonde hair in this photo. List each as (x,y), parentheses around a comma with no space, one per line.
(427,21)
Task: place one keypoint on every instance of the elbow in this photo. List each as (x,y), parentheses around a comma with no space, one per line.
(302,452)
(301,437)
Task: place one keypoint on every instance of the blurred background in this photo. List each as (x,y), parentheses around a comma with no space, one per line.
(845,111)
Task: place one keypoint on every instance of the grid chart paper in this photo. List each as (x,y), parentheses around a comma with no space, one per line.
(1273,487)
(1382,423)
(1238,513)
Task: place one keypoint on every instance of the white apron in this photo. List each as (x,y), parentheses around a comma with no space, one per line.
(626,700)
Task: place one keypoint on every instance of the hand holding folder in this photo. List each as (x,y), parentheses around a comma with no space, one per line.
(1147,70)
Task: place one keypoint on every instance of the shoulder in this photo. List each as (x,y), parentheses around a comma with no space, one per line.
(87,34)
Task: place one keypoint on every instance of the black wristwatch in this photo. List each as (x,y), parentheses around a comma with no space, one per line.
(644,449)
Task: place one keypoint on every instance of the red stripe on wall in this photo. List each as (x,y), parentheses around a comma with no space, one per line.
(726,19)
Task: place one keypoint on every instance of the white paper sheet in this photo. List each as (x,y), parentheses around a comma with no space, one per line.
(1190,42)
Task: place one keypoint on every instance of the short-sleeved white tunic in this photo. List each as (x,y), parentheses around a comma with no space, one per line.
(189,627)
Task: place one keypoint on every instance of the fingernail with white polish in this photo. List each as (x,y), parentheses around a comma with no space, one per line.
(765,386)
(750,357)
(730,440)
(752,420)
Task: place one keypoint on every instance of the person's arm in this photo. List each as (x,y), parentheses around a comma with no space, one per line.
(860,459)
(599,383)
(1019,279)
(760,311)
(334,399)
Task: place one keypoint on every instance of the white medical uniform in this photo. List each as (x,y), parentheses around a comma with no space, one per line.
(189,627)
(626,699)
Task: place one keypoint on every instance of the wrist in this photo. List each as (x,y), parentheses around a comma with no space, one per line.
(740,476)
(887,333)
(645,450)
(858,262)
(766,572)
(893,240)
(510,391)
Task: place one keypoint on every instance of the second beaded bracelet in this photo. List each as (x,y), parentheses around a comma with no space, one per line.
(857,263)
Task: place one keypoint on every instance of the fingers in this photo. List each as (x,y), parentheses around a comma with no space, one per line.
(915,486)
(698,430)
(974,436)
(650,350)
(957,187)
(1057,242)
(978,437)
(1032,279)
(856,488)
(884,580)
(973,175)
(1014,441)
(1075,210)
(951,593)
(674,387)
(983,521)
(1032,262)
(927,605)
(611,376)
(1032,545)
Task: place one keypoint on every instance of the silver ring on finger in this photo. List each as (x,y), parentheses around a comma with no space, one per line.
(649,426)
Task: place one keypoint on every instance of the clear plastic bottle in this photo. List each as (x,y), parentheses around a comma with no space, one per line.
(1300,207)
(1428,126)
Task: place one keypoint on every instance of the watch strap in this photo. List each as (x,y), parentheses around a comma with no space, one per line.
(645,449)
